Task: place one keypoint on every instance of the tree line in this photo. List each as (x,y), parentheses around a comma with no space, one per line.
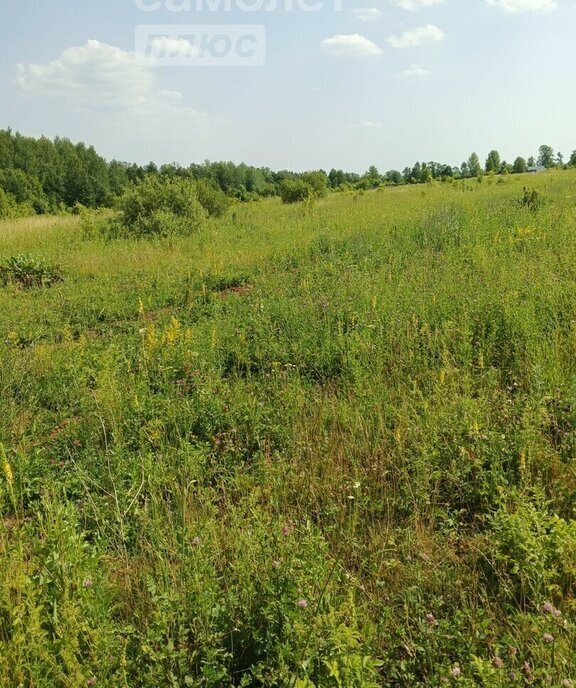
(422,172)
(48,176)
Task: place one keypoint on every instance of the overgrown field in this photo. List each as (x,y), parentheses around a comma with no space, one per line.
(326,445)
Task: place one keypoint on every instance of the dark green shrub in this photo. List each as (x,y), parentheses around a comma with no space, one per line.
(319,183)
(295,191)
(27,272)
(310,185)
(7,205)
(25,189)
(158,207)
(10,209)
(214,201)
(531,199)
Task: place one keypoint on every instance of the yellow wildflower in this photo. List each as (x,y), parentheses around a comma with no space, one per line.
(7,467)
(8,473)
(172,333)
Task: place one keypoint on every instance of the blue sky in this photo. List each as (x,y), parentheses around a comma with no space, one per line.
(384,82)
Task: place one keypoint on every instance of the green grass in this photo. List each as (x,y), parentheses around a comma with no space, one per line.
(322,445)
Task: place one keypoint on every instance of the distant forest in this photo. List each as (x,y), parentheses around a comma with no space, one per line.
(39,176)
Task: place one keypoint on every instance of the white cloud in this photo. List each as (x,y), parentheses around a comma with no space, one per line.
(103,77)
(413,5)
(368,14)
(520,6)
(415,70)
(352,45)
(366,125)
(94,72)
(414,37)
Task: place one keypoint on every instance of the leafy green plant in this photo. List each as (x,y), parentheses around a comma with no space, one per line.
(531,199)
(214,201)
(27,272)
(533,551)
(295,191)
(158,208)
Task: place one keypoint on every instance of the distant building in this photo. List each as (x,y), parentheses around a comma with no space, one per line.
(536,168)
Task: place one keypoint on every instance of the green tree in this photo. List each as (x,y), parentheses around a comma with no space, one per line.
(25,189)
(318,181)
(372,178)
(336,178)
(295,191)
(255,180)
(531,161)
(519,165)
(474,167)
(572,160)
(426,175)
(394,177)
(546,156)
(493,162)
(8,206)
(416,172)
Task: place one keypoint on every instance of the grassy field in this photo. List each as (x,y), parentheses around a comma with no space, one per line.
(328,445)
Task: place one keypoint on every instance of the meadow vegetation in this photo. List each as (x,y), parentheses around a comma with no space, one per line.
(322,444)
(41,176)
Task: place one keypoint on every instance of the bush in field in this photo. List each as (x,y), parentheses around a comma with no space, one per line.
(10,209)
(295,191)
(161,207)
(96,223)
(531,199)
(214,201)
(310,185)
(27,272)
(155,208)
(7,205)
(319,183)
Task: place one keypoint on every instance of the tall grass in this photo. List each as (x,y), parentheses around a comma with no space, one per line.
(321,445)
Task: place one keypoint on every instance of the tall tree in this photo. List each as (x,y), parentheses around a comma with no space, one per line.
(426,174)
(393,177)
(573,159)
(519,165)
(493,162)
(546,156)
(474,167)
(372,177)
(416,172)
